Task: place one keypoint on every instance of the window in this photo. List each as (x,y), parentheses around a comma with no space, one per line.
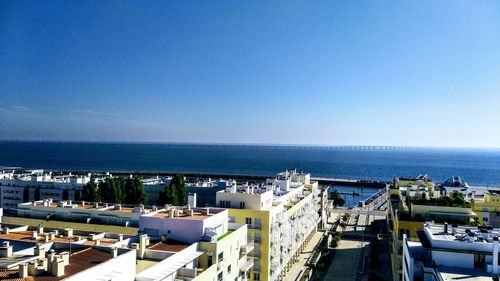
(220,257)
(248,221)
(242,205)
(229,269)
(219,276)
(256,276)
(225,204)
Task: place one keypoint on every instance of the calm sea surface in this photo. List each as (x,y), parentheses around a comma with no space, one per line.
(478,167)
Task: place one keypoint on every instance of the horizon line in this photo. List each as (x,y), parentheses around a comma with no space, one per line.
(256,144)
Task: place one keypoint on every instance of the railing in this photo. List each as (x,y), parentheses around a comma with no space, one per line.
(220,264)
(245,249)
(246,263)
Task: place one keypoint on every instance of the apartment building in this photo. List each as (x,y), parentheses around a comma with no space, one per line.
(281,216)
(413,201)
(172,243)
(23,186)
(452,252)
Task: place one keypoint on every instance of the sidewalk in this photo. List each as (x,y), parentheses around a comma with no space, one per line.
(345,264)
(298,267)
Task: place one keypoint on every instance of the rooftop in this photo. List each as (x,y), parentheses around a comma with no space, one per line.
(168,246)
(463,274)
(80,259)
(89,206)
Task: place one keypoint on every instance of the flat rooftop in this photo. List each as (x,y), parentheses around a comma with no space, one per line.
(195,216)
(80,259)
(168,246)
(26,236)
(462,233)
(464,274)
(89,207)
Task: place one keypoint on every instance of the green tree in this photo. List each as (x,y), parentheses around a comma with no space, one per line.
(179,183)
(175,193)
(90,192)
(133,190)
(337,200)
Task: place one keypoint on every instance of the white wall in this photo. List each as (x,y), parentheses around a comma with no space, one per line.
(119,268)
(453,259)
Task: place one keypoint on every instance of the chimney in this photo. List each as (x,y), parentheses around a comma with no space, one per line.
(6,230)
(46,238)
(114,252)
(57,268)
(32,268)
(83,203)
(51,256)
(118,206)
(65,257)
(92,236)
(143,239)
(97,242)
(120,237)
(40,250)
(68,232)
(40,228)
(445,227)
(23,270)
(95,205)
(34,235)
(6,250)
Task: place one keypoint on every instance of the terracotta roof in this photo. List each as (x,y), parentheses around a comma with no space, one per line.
(169,246)
(80,259)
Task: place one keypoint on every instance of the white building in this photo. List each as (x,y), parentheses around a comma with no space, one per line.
(19,187)
(451,253)
(281,215)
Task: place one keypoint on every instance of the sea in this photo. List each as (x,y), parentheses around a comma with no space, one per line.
(479,167)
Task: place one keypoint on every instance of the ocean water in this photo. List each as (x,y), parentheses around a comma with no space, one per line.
(352,200)
(477,167)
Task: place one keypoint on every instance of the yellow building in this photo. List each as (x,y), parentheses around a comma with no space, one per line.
(412,202)
(281,217)
(488,208)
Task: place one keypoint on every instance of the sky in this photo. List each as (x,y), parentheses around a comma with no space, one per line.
(409,73)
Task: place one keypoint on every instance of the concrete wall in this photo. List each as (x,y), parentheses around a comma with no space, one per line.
(73,225)
(453,259)
(252,201)
(119,268)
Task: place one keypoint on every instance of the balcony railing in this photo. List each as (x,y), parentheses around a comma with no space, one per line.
(245,249)
(220,264)
(246,263)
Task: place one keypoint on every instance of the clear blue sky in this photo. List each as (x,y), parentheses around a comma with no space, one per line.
(411,73)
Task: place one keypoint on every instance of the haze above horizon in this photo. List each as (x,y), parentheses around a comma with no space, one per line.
(295,72)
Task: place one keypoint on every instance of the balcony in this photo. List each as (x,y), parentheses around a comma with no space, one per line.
(245,249)
(186,274)
(220,264)
(246,263)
